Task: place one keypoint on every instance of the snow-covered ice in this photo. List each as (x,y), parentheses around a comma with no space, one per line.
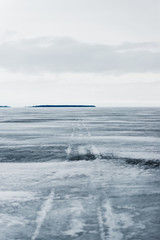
(90,174)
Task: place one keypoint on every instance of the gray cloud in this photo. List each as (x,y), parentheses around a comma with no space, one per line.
(48,54)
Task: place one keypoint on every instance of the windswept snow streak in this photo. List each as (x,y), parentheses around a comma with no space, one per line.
(42,214)
(113,223)
(110,223)
(101,224)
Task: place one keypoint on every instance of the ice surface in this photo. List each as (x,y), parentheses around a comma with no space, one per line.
(86,174)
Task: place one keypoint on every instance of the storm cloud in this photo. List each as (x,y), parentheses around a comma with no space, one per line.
(49,54)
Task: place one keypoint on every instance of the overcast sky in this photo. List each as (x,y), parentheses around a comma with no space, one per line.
(102,52)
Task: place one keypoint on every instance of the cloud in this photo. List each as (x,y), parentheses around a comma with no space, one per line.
(48,54)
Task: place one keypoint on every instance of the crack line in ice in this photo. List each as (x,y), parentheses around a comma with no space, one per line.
(42,214)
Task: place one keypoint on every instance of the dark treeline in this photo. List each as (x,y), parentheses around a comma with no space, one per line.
(64,106)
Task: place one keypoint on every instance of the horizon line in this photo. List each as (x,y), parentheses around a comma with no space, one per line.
(69,105)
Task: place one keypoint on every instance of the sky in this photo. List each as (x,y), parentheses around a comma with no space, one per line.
(102,52)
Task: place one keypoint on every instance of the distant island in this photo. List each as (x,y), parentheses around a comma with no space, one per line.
(45,106)
(4,106)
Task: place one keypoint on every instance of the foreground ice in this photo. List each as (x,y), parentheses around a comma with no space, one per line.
(78,174)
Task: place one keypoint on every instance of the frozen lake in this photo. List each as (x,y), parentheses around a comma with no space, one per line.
(80,173)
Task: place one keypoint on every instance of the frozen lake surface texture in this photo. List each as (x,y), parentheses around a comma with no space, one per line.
(80,173)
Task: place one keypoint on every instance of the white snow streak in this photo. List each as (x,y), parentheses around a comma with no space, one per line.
(101,226)
(95,151)
(68,150)
(113,223)
(42,214)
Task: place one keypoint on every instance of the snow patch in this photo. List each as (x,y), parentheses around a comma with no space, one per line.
(9,221)
(14,196)
(82,150)
(76,225)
